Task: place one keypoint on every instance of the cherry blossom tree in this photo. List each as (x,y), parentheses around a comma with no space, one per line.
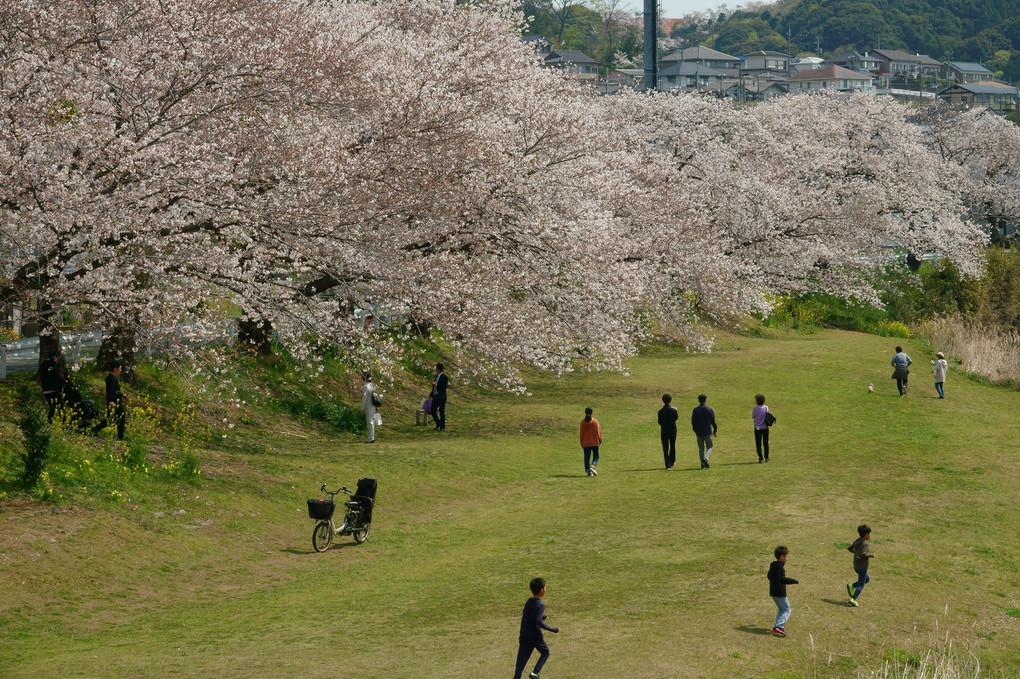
(986,148)
(166,162)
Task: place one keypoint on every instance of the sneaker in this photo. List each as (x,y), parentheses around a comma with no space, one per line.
(593,472)
(533,675)
(850,590)
(707,466)
(590,474)
(779,631)
(853,602)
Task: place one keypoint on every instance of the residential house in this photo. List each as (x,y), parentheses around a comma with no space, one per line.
(766,62)
(689,75)
(928,67)
(855,61)
(806,64)
(830,78)
(991,94)
(703,56)
(627,77)
(966,72)
(575,62)
(747,89)
(896,62)
(540,43)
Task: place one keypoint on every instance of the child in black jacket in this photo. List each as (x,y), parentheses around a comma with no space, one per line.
(777,589)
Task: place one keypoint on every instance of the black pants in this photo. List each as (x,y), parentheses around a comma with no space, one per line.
(54,400)
(668,447)
(439,412)
(118,415)
(761,440)
(901,385)
(524,652)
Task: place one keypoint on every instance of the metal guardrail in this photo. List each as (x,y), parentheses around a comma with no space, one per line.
(22,356)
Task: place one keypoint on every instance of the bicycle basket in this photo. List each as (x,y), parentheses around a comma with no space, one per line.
(320,509)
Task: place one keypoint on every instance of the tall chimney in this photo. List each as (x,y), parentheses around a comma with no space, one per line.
(651,79)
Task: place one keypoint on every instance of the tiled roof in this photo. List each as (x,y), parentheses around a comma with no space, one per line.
(830,73)
(968,67)
(569,57)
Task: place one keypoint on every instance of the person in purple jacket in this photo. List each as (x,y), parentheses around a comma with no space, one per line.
(761,427)
(532,624)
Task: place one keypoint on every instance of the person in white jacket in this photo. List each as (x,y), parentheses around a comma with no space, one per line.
(368,408)
(940,369)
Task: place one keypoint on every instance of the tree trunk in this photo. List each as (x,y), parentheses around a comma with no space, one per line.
(118,346)
(255,336)
(50,341)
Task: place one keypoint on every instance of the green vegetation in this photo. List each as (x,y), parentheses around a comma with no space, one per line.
(133,573)
(982,31)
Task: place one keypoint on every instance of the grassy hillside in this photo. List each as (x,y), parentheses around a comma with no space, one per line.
(651,573)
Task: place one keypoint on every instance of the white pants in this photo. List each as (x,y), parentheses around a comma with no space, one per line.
(370,423)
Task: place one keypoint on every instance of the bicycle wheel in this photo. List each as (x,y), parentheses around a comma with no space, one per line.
(322,536)
(361,534)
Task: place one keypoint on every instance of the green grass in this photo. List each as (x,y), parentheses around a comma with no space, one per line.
(651,573)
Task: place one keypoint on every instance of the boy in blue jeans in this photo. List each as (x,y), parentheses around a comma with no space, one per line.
(862,553)
(777,589)
(532,624)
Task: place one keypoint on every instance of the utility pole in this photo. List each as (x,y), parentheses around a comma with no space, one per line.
(789,51)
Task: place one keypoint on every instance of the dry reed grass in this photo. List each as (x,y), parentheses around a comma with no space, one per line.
(987,351)
(938,662)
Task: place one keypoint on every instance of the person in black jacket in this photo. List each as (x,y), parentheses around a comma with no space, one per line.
(532,623)
(439,398)
(703,424)
(116,408)
(52,376)
(667,430)
(777,589)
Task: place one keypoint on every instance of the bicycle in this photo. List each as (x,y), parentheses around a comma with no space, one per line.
(357,515)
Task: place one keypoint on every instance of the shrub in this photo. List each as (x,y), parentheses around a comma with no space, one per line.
(183,466)
(893,329)
(341,416)
(37,437)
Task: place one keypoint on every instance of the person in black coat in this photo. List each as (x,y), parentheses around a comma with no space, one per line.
(439,398)
(52,376)
(667,430)
(116,406)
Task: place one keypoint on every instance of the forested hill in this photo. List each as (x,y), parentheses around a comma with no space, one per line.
(986,31)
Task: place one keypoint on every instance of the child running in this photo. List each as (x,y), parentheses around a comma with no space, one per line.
(777,589)
(862,553)
(532,624)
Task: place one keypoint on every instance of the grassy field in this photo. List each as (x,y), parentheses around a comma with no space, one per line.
(651,573)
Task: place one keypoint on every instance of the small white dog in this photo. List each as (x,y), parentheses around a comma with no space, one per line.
(871,388)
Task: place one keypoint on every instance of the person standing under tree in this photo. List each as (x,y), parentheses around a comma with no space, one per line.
(368,406)
(439,398)
(52,376)
(667,430)
(116,401)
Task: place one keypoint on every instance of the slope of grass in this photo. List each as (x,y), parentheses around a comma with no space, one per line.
(651,573)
